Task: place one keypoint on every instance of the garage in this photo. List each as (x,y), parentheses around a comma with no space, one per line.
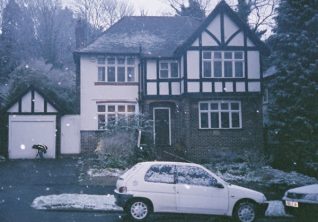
(32,119)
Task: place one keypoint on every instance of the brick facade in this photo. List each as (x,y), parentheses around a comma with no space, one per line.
(206,144)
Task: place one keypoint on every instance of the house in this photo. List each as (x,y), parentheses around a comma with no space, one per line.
(200,82)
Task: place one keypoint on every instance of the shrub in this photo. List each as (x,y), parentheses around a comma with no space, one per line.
(119,144)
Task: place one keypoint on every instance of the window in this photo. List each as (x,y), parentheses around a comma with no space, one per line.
(220,115)
(216,64)
(111,114)
(168,69)
(191,175)
(160,173)
(116,69)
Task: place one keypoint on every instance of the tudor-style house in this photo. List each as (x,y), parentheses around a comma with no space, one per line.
(200,81)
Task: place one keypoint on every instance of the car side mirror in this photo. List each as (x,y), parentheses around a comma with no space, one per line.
(219,185)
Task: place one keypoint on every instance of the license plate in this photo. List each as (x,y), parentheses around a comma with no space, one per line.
(291,203)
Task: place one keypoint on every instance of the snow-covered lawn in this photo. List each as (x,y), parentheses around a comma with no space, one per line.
(107,203)
(76,202)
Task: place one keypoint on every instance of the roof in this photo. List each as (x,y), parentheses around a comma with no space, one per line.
(154,36)
(16,98)
(161,36)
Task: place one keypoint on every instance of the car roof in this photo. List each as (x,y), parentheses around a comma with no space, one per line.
(149,163)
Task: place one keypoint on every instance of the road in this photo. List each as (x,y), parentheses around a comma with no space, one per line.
(24,180)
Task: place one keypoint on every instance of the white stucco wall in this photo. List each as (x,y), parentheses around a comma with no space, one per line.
(70,134)
(193,65)
(229,27)
(207,40)
(215,27)
(253,64)
(91,93)
(151,69)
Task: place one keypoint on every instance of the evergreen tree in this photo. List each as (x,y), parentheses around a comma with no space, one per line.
(11,25)
(243,10)
(17,39)
(293,115)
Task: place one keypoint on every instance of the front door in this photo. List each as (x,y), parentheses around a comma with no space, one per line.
(162,136)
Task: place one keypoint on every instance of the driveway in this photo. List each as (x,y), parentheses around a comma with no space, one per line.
(22,181)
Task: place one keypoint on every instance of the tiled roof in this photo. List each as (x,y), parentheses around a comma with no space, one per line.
(155,36)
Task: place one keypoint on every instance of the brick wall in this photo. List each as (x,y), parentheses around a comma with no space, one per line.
(89,140)
(206,144)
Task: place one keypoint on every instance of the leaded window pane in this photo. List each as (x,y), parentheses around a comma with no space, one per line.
(215,120)
(207,69)
(225,120)
(217,69)
(235,120)
(174,70)
(204,120)
(131,74)
(111,74)
(101,74)
(228,69)
(121,74)
(238,69)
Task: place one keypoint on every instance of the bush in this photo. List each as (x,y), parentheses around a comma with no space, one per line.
(118,147)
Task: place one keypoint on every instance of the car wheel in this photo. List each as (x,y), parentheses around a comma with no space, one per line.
(245,212)
(138,210)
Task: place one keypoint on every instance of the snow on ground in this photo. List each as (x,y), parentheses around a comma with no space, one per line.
(105,172)
(107,203)
(275,209)
(76,202)
(266,174)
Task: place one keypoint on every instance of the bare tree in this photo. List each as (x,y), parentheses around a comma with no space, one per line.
(259,13)
(103,13)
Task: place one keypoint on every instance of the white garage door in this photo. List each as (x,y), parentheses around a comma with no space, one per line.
(25,131)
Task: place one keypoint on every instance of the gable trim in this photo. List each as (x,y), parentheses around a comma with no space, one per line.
(233,36)
(223,8)
(213,36)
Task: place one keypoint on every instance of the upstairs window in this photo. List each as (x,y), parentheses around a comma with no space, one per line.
(220,115)
(228,64)
(116,69)
(168,69)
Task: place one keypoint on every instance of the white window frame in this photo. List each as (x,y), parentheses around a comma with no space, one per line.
(223,60)
(102,62)
(116,112)
(169,62)
(219,111)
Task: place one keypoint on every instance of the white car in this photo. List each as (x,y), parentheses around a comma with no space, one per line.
(174,187)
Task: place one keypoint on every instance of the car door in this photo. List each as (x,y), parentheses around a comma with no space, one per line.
(159,187)
(196,192)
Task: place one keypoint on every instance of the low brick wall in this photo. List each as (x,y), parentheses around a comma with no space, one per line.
(89,140)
